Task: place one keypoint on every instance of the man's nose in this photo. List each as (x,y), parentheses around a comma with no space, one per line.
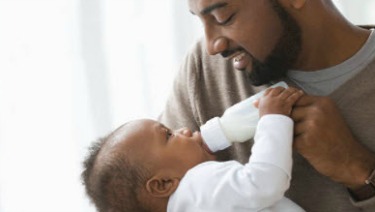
(215,43)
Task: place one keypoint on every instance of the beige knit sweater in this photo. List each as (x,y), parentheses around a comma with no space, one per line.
(207,85)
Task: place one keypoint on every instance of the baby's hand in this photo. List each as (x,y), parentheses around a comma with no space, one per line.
(278,101)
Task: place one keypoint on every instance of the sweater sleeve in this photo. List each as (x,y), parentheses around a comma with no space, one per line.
(365,205)
(179,108)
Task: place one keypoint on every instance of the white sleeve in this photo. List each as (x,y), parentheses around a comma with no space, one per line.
(273,142)
(270,164)
(231,186)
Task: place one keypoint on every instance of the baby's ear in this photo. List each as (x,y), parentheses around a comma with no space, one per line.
(159,186)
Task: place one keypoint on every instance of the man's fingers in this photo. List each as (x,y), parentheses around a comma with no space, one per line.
(299,128)
(305,100)
(299,113)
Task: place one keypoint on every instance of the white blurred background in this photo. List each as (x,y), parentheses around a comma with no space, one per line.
(73,70)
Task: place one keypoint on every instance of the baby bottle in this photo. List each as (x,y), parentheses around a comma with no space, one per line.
(237,124)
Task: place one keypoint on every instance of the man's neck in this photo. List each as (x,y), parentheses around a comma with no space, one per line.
(330,49)
(328,39)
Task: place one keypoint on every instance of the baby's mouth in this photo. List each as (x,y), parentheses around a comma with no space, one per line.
(203,144)
(205,147)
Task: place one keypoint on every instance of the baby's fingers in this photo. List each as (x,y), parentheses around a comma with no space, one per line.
(293,97)
(285,93)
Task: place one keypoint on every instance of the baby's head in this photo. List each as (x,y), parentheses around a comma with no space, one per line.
(139,165)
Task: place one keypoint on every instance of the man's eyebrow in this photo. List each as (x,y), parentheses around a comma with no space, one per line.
(213,7)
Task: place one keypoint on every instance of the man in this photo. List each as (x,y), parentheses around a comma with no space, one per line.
(309,44)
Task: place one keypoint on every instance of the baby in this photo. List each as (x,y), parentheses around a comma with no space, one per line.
(144,166)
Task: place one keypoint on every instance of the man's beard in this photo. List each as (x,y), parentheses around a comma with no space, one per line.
(283,56)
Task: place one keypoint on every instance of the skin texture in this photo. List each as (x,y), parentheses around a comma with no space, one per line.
(252,30)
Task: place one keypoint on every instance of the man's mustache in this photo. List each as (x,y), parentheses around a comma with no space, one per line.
(228,53)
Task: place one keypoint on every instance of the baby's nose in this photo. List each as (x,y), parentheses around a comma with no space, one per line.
(185,131)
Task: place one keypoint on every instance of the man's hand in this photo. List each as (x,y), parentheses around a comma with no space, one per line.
(325,140)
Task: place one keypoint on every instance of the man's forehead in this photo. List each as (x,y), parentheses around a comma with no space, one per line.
(205,6)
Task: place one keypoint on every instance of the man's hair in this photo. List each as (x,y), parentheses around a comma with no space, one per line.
(113,183)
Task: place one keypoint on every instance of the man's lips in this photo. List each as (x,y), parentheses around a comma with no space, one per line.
(241,61)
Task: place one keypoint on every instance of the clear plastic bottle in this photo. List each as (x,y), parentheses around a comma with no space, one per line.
(237,124)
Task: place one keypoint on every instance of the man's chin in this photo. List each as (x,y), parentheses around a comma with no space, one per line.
(247,69)
(250,75)
(257,77)
(260,73)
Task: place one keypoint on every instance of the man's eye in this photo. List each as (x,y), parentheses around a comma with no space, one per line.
(228,20)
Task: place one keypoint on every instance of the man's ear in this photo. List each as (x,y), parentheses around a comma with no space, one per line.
(159,186)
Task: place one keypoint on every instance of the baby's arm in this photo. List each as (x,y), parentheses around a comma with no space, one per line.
(262,182)
(270,164)
(259,184)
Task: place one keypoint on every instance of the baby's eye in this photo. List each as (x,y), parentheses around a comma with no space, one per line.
(168,134)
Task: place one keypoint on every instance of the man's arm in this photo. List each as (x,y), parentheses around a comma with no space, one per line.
(179,111)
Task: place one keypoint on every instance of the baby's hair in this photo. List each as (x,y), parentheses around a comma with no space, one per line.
(113,183)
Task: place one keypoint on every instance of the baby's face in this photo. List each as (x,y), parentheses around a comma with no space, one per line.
(175,151)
